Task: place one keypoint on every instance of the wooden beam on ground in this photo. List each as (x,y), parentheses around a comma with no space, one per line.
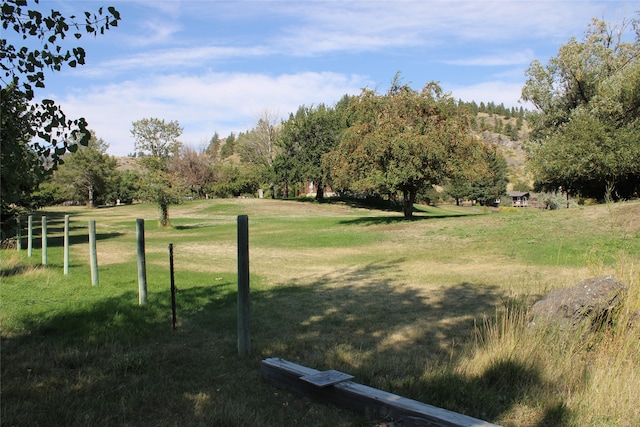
(372,402)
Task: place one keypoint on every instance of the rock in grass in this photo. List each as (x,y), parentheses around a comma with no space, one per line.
(591,302)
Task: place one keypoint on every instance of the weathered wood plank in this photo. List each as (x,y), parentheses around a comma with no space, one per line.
(372,402)
(326,378)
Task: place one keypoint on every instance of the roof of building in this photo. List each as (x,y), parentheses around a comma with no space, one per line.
(518,193)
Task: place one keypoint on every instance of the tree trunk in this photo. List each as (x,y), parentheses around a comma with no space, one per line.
(409,197)
(91,203)
(164,215)
(320,192)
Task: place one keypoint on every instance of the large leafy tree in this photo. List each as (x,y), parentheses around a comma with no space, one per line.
(127,185)
(485,187)
(258,147)
(213,148)
(305,139)
(286,166)
(403,141)
(89,173)
(586,130)
(490,185)
(158,141)
(194,169)
(36,134)
(21,170)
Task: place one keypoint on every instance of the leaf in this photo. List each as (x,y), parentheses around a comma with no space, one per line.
(114,12)
(7,9)
(35,15)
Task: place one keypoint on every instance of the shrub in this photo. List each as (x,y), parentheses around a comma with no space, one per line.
(554,201)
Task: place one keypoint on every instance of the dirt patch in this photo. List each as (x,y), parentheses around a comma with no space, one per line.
(107,253)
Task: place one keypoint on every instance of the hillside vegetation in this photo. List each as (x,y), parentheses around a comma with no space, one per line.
(433,309)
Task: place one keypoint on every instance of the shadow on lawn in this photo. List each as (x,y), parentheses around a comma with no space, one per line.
(353,319)
(386,220)
(78,230)
(374,204)
(113,362)
(417,216)
(385,335)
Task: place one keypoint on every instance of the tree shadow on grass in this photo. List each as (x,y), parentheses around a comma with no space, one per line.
(353,319)
(503,385)
(418,216)
(78,231)
(385,335)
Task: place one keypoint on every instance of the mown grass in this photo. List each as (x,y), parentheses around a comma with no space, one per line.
(433,309)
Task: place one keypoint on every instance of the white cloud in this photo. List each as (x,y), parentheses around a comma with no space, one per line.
(213,102)
(169,59)
(225,103)
(152,32)
(311,29)
(221,75)
(365,26)
(504,58)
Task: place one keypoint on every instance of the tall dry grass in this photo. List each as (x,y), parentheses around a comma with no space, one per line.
(581,377)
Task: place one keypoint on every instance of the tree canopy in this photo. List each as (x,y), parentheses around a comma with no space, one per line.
(305,139)
(258,146)
(403,141)
(158,141)
(35,135)
(89,174)
(586,130)
(24,68)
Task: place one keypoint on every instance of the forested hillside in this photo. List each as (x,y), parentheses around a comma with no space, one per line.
(508,129)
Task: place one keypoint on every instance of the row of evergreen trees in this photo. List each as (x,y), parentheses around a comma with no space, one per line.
(496,118)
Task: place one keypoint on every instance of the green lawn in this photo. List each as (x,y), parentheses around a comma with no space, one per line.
(410,307)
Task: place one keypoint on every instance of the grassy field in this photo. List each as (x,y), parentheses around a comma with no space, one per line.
(433,309)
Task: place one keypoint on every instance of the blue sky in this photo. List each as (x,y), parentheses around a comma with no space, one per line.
(218,66)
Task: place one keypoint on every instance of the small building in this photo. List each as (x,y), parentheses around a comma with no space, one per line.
(518,198)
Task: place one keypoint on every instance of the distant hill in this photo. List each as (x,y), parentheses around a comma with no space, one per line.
(508,132)
(128,163)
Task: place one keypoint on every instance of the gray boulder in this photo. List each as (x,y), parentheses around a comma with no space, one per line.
(591,302)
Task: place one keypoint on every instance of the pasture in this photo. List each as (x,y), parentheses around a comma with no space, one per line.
(433,309)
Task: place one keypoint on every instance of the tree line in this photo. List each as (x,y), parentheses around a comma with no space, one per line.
(395,145)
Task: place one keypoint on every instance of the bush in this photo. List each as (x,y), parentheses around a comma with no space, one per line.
(554,201)
(235,188)
(48,193)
